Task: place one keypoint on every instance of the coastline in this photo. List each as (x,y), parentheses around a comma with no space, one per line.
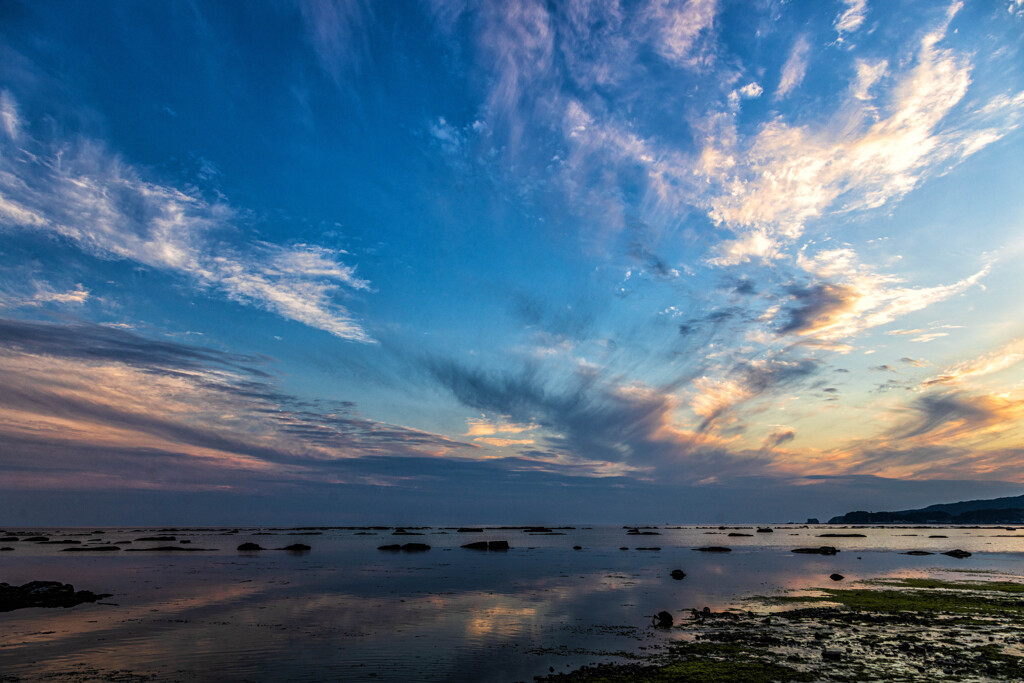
(909,629)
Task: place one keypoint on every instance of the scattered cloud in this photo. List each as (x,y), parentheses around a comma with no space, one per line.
(88,196)
(795,68)
(852,18)
(1005,357)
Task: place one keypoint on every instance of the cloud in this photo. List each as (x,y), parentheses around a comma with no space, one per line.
(88,196)
(218,417)
(338,33)
(778,438)
(10,121)
(851,18)
(787,175)
(1005,357)
(794,69)
(853,297)
(683,25)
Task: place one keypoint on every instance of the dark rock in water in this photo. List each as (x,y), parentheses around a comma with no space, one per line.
(959,554)
(836,577)
(487,545)
(364,533)
(6,548)
(250,546)
(44,594)
(123,542)
(469,530)
(64,542)
(835,535)
(185,541)
(35,539)
(713,549)
(537,530)
(823,550)
(168,549)
(415,547)
(403,532)
(157,539)
(650,548)
(623,548)
(938,536)
(297,548)
(394,547)
(577,547)
(678,574)
(9,539)
(917,552)
(663,620)
(736,533)
(765,530)
(92,549)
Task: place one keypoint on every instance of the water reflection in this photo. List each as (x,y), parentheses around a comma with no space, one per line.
(346,611)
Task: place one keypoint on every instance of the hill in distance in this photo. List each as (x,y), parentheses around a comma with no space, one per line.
(1009,510)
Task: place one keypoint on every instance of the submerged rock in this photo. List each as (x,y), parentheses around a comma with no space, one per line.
(836,577)
(823,550)
(6,548)
(678,574)
(415,547)
(297,548)
(835,535)
(959,554)
(917,552)
(157,539)
(650,548)
(487,545)
(663,620)
(35,539)
(469,530)
(250,546)
(91,549)
(737,533)
(44,594)
(765,530)
(713,549)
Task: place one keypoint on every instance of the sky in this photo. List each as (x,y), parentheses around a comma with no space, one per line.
(524,262)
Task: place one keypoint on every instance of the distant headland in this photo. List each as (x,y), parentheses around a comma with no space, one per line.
(1009,510)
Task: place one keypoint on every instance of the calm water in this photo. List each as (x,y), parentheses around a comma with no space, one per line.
(346,611)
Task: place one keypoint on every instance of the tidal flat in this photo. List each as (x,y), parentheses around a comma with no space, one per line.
(914,629)
(538,601)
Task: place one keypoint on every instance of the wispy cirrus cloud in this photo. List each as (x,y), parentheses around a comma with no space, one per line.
(795,68)
(81,192)
(852,18)
(83,390)
(774,183)
(1005,357)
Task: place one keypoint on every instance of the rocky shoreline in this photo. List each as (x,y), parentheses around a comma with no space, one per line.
(898,630)
(44,594)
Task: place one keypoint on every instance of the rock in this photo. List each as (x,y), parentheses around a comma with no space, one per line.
(663,620)
(157,539)
(64,542)
(917,552)
(497,545)
(537,530)
(938,536)
(678,574)
(44,594)
(959,554)
(171,549)
(713,549)
(35,539)
(836,577)
(250,546)
(91,549)
(835,535)
(812,520)
(577,547)
(415,547)
(476,545)
(6,548)
(832,655)
(765,530)
(394,547)
(469,530)
(736,533)
(823,550)
(650,548)
(9,539)
(623,548)
(297,548)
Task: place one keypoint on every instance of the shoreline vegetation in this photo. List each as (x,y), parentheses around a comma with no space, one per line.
(910,629)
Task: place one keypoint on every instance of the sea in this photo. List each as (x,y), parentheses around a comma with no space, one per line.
(346,611)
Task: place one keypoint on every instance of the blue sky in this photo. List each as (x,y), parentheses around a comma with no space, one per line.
(508,262)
